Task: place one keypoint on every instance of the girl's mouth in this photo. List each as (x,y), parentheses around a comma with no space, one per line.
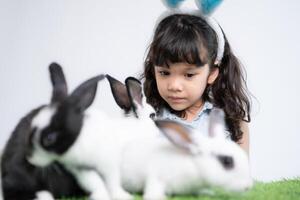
(176,99)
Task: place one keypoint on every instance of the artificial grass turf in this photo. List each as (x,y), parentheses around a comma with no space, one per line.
(286,189)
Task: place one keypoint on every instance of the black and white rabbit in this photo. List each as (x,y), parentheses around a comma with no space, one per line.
(22,180)
(84,140)
(185,162)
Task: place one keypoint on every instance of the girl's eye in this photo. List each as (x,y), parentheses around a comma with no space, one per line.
(164,73)
(189,75)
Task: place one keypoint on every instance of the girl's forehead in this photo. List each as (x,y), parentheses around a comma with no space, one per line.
(181,66)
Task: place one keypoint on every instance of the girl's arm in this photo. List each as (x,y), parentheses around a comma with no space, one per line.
(244,141)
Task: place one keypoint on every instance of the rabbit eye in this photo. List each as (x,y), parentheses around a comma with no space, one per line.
(152,115)
(49,139)
(226,161)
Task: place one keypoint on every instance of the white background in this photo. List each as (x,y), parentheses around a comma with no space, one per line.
(89,37)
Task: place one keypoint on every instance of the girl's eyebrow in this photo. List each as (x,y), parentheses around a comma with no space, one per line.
(159,67)
(190,68)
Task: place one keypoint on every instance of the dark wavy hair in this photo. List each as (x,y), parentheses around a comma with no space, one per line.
(190,39)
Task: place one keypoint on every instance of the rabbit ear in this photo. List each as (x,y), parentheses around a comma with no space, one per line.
(59,84)
(120,94)
(135,92)
(83,96)
(177,134)
(217,123)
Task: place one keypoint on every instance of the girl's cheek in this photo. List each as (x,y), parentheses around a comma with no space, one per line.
(160,84)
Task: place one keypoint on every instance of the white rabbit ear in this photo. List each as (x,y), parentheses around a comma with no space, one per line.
(120,93)
(217,127)
(178,134)
(135,92)
(59,84)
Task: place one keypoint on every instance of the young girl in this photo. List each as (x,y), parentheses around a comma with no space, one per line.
(189,69)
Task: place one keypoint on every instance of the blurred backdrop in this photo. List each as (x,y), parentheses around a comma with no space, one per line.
(101,36)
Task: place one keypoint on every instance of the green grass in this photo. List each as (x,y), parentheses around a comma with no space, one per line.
(287,189)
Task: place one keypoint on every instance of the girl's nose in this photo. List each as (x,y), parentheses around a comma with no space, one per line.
(175,85)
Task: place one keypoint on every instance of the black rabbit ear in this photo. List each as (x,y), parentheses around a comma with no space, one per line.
(134,89)
(120,94)
(177,134)
(59,84)
(84,95)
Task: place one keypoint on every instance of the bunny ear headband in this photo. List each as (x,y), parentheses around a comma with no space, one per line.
(206,7)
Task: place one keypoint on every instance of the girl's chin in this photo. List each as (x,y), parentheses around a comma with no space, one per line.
(178,107)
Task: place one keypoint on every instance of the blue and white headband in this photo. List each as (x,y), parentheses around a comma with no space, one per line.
(205,8)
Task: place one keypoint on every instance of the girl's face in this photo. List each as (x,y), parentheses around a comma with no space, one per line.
(182,85)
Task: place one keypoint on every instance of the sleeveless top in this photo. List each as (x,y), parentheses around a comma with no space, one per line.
(200,124)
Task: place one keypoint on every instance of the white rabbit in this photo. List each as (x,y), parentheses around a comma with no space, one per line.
(184,164)
(181,164)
